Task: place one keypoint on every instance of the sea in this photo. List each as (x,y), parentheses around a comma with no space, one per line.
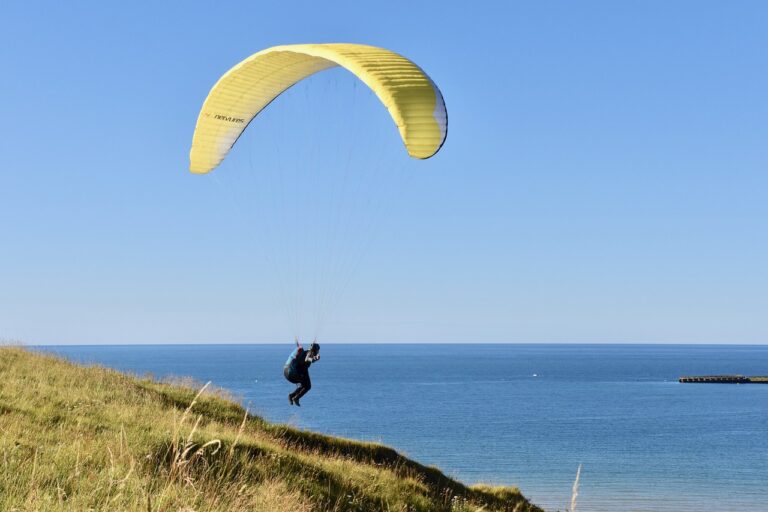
(526,415)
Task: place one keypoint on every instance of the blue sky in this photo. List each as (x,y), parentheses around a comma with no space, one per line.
(605,177)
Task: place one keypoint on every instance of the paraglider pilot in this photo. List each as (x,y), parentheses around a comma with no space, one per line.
(296,369)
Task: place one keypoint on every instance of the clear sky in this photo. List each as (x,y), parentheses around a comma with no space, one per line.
(605,177)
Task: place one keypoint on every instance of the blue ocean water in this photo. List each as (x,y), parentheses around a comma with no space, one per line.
(524,415)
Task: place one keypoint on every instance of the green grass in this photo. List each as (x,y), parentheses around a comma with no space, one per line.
(91,438)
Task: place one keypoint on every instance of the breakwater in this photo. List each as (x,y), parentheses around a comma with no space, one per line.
(723,379)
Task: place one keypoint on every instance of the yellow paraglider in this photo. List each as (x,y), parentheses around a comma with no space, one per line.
(412,98)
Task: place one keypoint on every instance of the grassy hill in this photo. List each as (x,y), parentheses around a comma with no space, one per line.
(91,438)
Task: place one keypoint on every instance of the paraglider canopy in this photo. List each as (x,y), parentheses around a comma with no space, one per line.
(412,98)
(325,173)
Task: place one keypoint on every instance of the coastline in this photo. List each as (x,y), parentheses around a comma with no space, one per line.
(91,437)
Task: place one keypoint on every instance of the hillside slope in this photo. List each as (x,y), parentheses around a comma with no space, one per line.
(91,438)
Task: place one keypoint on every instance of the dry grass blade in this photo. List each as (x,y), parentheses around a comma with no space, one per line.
(239,434)
(575,490)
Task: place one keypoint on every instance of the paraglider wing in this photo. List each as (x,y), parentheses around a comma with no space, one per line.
(412,98)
